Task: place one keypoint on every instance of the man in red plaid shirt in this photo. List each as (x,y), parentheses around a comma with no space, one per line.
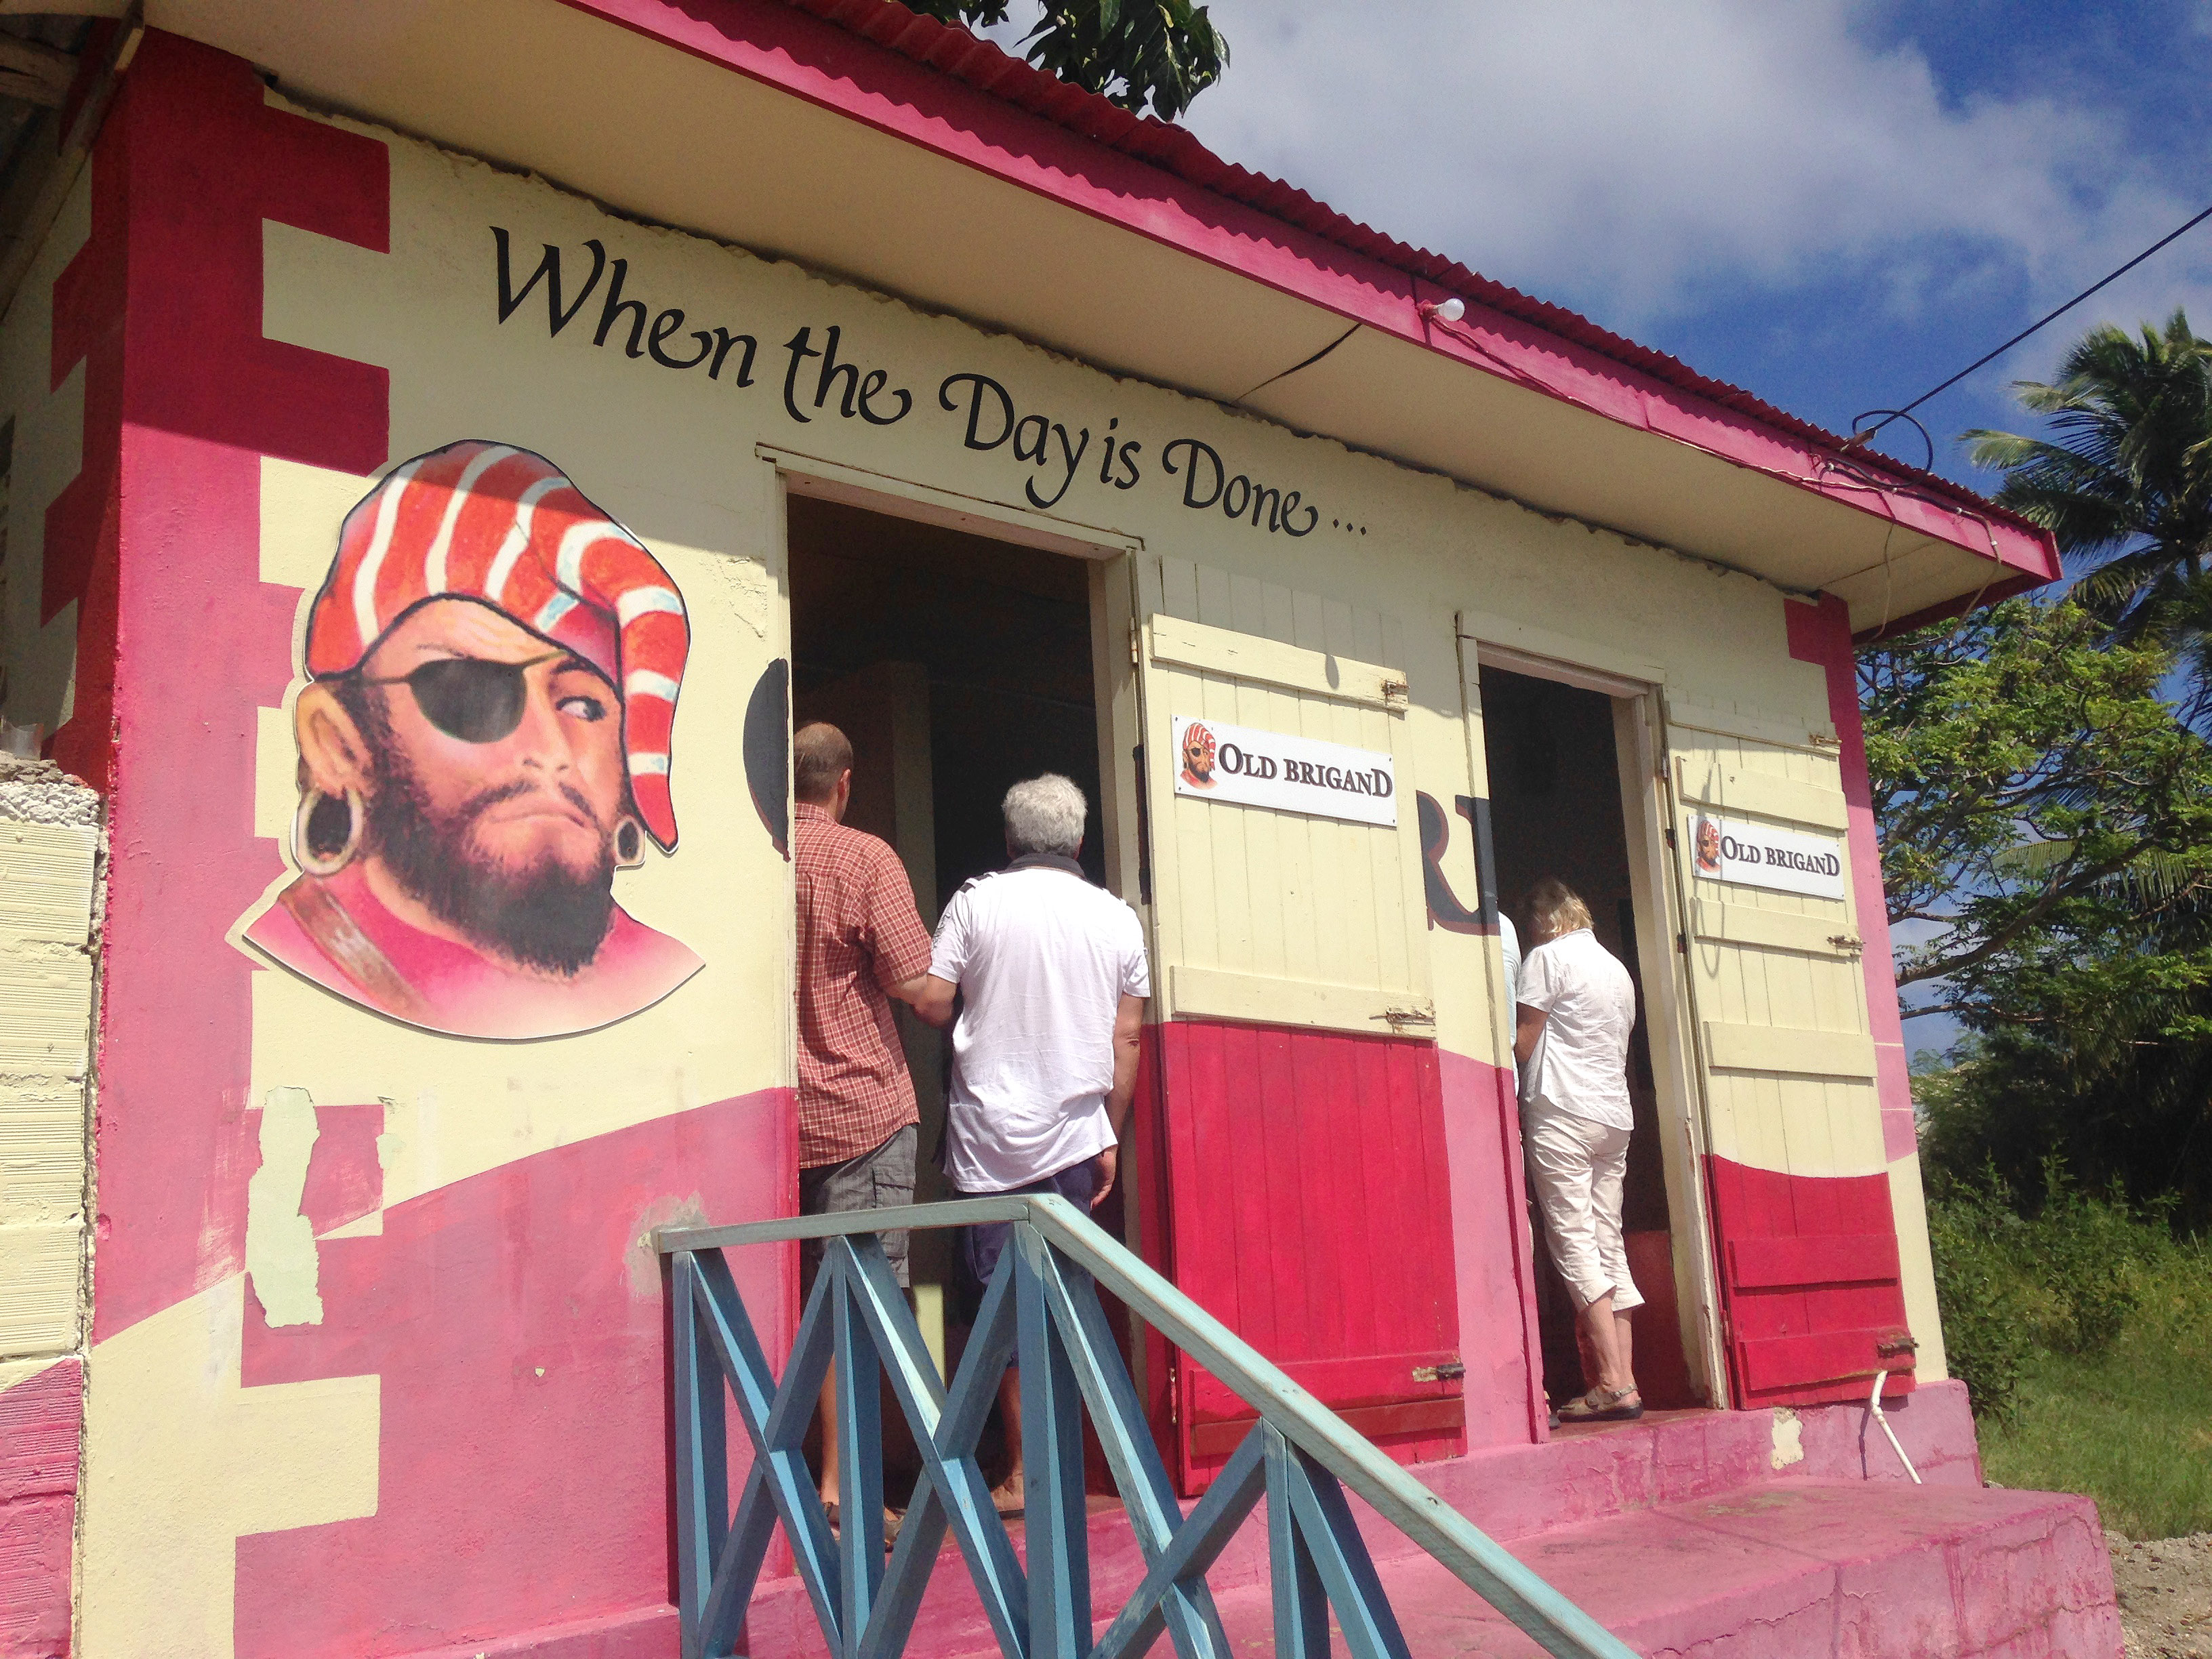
(860,942)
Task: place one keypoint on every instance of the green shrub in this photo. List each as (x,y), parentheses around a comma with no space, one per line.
(2127,1425)
(1986,1299)
(2068,1278)
(2092,1252)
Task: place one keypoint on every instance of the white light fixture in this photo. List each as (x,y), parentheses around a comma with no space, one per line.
(1446,311)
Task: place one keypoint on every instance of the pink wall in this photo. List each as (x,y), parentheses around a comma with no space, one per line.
(190,163)
(1491,1246)
(1822,634)
(38,1427)
(518,1321)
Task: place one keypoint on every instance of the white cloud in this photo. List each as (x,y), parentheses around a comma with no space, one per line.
(1632,158)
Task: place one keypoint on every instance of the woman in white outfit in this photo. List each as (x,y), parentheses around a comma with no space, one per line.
(1575,1007)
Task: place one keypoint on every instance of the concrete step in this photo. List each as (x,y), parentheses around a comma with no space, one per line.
(1799,1569)
(1789,1570)
(1717,1534)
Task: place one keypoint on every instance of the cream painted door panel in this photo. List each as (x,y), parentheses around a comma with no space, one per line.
(1774,977)
(1806,1237)
(1297,1110)
(1273,916)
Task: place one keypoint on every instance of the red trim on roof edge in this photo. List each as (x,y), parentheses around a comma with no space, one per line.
(938,86)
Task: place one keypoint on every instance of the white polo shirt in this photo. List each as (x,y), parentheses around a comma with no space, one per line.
(1580,1067)
(1042,959)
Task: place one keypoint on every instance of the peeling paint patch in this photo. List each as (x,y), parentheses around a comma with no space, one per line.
(642,1259)
(280,1242)
(747,584)
(1789,1439)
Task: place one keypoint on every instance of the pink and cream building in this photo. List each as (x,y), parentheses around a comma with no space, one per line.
(757,359)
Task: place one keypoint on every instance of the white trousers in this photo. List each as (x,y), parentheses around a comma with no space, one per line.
(1577,1167)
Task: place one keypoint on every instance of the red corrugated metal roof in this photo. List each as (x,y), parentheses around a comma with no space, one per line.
(977,63)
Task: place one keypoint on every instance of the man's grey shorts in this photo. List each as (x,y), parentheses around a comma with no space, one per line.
(874,1181)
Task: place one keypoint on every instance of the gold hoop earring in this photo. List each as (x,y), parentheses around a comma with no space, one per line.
(629,844)
(304,852)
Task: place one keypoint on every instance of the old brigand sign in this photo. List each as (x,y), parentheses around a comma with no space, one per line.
(1249,767)
(1752,854)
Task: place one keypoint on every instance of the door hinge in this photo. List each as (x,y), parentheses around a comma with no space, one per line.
(1445,1372)
(1681,945)
(1136,654)
(1670,837)
(1850,944)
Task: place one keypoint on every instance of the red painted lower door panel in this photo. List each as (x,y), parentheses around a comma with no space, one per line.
(1809,1279)
(1306,1205)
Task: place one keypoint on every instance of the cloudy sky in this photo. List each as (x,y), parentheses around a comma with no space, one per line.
(1837,204)
(1834,202)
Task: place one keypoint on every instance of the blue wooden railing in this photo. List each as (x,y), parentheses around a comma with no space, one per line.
(1040,1307)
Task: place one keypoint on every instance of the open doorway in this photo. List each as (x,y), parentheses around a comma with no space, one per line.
(957,665)
(1556,809)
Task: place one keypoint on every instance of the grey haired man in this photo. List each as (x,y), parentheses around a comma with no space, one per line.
(1053,980)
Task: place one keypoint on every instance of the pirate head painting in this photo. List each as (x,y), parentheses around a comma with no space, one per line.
(492,666)
(1708,848)
(1198,752)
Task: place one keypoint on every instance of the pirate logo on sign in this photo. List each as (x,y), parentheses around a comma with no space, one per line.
(1198,752)
(1707,846)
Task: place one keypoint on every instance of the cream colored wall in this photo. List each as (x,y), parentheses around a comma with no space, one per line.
(653,449)
(673,455)
(49,852)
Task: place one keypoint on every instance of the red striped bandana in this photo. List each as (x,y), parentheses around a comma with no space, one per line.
(499,524)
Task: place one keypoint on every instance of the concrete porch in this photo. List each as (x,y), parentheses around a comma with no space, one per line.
(1718,1534)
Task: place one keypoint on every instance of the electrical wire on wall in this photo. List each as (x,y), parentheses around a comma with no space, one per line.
(1307,363)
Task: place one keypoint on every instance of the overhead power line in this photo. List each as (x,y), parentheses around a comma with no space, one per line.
(1906,413)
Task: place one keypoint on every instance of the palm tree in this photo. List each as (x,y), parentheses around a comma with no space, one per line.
(2125,482)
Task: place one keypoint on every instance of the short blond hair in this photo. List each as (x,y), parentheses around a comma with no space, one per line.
(1555,909)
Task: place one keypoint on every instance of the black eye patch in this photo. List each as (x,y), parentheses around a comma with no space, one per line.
(470,698)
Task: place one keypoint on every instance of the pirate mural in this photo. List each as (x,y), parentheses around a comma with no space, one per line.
(493,665)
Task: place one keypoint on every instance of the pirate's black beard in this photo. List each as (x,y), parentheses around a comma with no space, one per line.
(547,917)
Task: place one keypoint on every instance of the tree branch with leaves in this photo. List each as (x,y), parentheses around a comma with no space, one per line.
(1137,52)
(2035,794)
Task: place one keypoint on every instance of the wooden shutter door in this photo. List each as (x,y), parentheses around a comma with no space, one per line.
(1806,1239)
(1299,1119)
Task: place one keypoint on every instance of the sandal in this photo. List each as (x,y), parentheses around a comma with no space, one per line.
(1604,1406)
(893,1520)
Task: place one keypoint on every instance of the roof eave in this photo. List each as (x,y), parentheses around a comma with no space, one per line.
(941,89)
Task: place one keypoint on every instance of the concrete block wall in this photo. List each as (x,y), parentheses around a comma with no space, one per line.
(50,857)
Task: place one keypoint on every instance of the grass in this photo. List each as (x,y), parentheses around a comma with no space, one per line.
(2086,1333)
(2131,1427)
